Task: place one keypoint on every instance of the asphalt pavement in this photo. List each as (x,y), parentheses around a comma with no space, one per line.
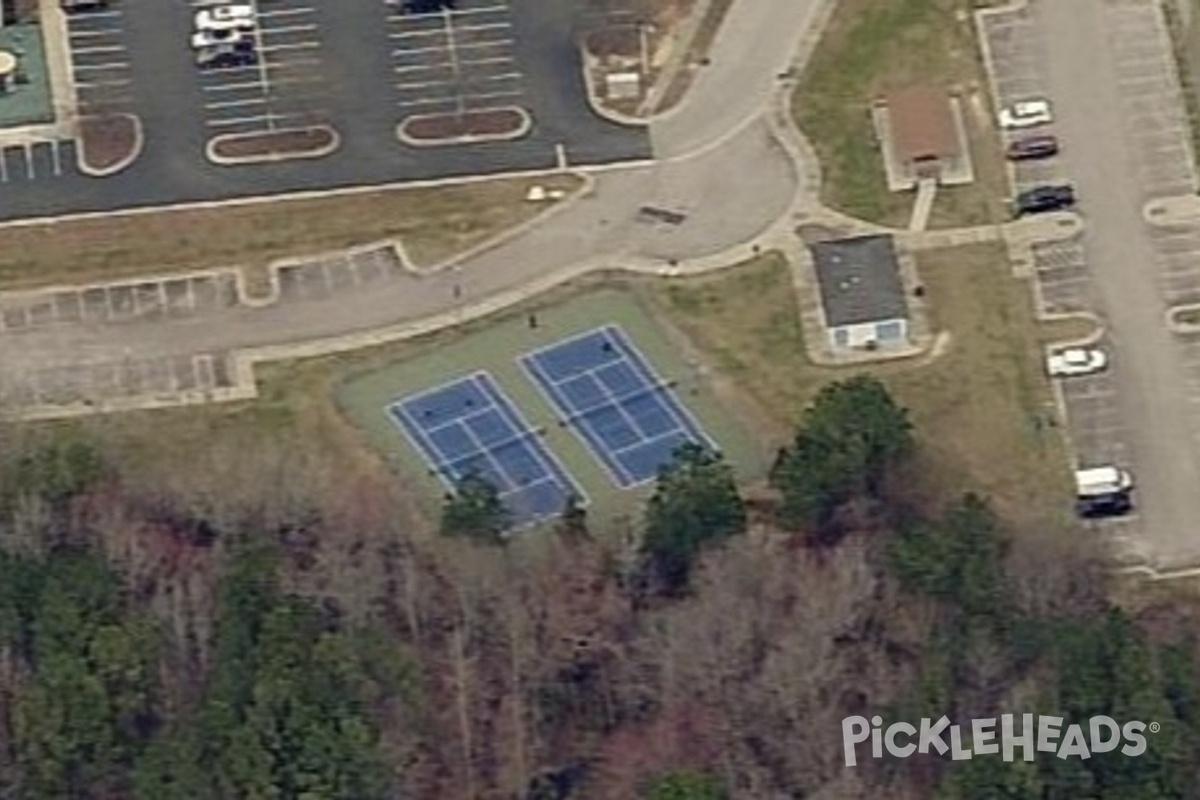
(1107,68)
(332,63)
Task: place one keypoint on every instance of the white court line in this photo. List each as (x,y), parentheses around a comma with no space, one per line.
(115,48)
(113,65)
(236,103)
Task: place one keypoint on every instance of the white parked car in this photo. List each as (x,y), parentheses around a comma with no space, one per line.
(1076,361)
(1026,114)
(212,38)
(225,18)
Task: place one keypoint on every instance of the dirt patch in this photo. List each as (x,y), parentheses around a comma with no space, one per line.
(618,41)
(495,123)
(281,144)
(108,142)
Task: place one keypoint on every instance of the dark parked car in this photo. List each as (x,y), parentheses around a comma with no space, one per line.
(1109,505)
(79,6)
(424,6)
(1028,147)
(1045,198)
(227,56)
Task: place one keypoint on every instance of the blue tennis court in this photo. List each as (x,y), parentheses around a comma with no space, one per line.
(615,401)
(470,426)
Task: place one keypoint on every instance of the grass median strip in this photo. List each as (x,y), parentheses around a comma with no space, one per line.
(433,223)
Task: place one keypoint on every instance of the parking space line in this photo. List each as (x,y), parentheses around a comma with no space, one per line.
(485,27)
(3,167)
(409,34)
(236,103)
(285,12)
(289,29)
(112,48)
(97,67)
(289,46)
(230,87)
(216,123)
(55,159)
(30,173)
(493,95)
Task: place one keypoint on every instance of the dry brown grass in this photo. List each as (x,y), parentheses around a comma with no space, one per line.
(974,407)
(869,48)
(433,223)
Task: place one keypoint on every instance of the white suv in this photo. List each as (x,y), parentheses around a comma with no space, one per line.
(225,18)
(1026,114)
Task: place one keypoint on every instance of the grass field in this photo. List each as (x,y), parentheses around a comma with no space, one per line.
(981,409)
(433,223)
(871,47)
(495,349)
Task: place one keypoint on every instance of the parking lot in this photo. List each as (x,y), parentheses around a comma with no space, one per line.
(1015,53)
(1156,123)
(99,381)
(100,63)
(36,161)
(1097,427)
(119,302)
(285,88)
(455,61)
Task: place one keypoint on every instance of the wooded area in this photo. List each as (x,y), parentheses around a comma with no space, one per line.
(196,636)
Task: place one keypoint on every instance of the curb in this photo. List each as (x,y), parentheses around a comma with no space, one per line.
(139,141)
(593,97)
(210,148)
(522,129)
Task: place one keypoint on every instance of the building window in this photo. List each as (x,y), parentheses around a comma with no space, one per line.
(889,331)
(841,337)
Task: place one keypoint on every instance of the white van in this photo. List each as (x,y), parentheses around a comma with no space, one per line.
(1102,481)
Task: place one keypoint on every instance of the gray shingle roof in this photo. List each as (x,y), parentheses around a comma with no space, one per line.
(859,280)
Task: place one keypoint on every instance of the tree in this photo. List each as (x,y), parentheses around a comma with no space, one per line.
(696,501)
(474,510)
(685,786)
(957,560)
(849,439)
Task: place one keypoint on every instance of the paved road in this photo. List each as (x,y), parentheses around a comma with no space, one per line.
(1104,63)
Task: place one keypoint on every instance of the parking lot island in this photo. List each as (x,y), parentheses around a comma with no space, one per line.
(487,125)
(108,144)
(267,146)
